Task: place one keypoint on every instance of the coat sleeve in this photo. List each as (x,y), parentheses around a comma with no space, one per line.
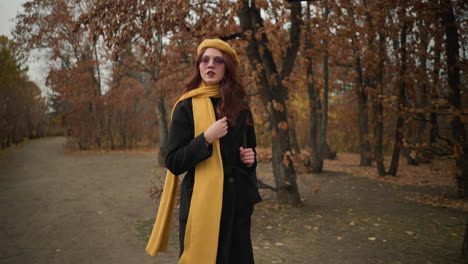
(184,150)
(251,138)
(254,195)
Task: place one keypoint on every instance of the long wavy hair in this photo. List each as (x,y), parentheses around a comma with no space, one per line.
(232,91)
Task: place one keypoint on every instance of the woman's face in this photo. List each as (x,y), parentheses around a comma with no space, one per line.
(212,66)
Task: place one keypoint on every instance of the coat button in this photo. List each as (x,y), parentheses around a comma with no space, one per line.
(231,179)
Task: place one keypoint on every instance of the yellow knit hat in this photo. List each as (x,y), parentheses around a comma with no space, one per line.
(221,45)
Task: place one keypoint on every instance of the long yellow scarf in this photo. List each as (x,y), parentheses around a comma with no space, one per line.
(202,231)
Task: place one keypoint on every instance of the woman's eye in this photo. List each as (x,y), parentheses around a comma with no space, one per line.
(216,60)
(219,60)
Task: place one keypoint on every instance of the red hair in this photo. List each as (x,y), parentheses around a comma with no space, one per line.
(232,90)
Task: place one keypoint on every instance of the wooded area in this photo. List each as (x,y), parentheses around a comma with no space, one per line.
(381,78)
(22,108)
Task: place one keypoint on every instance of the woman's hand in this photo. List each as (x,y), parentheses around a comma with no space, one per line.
(217,130)
(247,156)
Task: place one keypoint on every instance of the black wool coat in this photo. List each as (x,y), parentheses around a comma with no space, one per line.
(240,191)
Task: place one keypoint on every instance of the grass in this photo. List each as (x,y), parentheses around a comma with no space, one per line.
(143,229)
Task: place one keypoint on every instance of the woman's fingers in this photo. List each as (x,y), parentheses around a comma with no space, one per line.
(247,156)
(217,130)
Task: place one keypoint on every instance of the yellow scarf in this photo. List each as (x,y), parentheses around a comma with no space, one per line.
(202,231)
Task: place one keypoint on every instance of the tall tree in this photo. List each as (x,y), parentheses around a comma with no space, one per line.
(74,69)
(22,108)
(458,131)
(459,134)
(145,25)
(322,143)
(362,41)
(401,98)
(378,110)
(274,91)
(313,96)
(422,100)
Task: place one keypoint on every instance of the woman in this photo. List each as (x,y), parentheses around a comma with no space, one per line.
(211,138)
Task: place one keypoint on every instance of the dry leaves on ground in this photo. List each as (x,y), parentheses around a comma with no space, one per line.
(436,173)
(440,201)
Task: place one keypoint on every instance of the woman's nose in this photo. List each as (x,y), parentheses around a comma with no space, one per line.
(211,63)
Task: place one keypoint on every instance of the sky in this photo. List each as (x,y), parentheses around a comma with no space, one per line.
(8,11)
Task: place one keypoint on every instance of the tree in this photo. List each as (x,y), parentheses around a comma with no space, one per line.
(145,25)
(274,90)
(92,117)
(401,97)
(313,96)
(458,131)
(74,65)
(22,108)
(361,46)
(322,143)
(361,60)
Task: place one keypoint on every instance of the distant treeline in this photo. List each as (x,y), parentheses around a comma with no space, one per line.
(23,111)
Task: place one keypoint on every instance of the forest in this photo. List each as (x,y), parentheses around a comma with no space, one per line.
(385,79)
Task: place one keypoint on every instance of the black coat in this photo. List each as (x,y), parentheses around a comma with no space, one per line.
(240,192)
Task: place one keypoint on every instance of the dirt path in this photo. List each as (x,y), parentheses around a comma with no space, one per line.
(93,208)
(72,208)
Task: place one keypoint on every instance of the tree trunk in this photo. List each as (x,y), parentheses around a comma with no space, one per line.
(324,118)
(163,133)
(274,93)
(283,167)
(109,130)
(327,153)
(293,136)
(398,142)
(434,130)
(459,136)
(407,152)
(378,108)
(363,119)
(415,129)
(361,98)
(317,161)
(464,249)
(365,82)
(161,106)
(154,70)
(422,101)
(322,144)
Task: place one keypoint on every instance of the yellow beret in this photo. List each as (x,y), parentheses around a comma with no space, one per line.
(221,45)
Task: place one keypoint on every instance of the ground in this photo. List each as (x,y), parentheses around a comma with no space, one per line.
(60,207)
